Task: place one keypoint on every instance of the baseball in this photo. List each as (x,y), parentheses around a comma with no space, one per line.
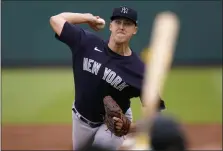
(101,24)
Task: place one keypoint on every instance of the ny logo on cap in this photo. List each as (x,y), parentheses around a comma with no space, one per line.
(124,10)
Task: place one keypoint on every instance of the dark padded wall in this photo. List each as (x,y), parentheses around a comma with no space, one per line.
(27,38)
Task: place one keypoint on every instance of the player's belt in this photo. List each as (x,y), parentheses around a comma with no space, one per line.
(91,124)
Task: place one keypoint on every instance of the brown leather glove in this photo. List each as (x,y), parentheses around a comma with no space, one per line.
(112,109)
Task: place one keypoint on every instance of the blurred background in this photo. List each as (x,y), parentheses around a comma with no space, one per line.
(37,80)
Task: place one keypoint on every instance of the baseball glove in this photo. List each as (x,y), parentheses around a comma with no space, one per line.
(112,109)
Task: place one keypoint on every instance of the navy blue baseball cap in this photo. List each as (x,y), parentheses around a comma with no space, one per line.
(125,12)
(167,134)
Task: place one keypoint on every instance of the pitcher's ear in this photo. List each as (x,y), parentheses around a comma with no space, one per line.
(136,30)
(110,26)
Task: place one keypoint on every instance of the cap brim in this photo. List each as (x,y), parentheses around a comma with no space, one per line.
(115,17)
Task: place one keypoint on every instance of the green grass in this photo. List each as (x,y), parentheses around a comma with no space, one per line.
(46,95)
(37,95)
(195,95)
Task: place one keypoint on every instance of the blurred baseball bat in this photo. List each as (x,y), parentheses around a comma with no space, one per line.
(162,47)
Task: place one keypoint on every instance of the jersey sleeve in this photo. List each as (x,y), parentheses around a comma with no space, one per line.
(73,36)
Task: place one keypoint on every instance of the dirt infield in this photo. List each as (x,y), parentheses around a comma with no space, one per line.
(58,137)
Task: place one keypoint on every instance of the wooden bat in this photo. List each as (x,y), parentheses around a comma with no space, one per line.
(162,46)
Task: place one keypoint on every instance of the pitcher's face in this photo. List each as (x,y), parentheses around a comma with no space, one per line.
(122,30)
